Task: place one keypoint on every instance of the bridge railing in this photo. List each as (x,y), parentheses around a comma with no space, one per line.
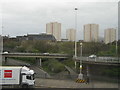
(99,59)
(53,54)
(36,55)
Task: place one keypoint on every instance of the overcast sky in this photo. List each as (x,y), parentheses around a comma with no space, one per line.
(21,17)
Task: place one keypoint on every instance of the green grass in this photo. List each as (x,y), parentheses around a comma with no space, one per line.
(53,66)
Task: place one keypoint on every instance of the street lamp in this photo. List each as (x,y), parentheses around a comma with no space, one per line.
(81,49)
(80,57)
(76,31)
(80,76)
(75,35)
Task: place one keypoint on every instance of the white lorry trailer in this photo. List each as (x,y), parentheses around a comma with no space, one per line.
(16,76)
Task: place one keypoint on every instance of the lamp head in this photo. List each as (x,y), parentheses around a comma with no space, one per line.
(76,8)
(81,44)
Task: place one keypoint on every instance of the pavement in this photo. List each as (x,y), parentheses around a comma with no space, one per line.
(52,83)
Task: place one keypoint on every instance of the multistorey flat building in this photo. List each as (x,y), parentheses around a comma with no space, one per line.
(109,35)
(54,28)
(71,34)
(91,33)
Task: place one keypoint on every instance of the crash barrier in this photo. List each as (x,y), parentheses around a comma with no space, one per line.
(80,81)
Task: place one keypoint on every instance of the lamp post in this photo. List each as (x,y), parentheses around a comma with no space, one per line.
(80,57)
(80,76)
(76,31)
(81,49)
(75,35)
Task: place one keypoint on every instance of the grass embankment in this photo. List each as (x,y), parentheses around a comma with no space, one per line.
(52,66)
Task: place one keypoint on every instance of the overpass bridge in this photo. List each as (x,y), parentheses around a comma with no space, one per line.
(87,60)
(98,60)
(36,55)
(97,66)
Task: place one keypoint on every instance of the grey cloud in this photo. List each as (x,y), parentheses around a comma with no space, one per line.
(22,18)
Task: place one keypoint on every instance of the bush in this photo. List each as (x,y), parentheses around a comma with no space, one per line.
(53,66)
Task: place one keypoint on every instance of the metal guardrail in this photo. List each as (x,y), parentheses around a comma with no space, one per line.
(99,59)
(34,54)
(47,55)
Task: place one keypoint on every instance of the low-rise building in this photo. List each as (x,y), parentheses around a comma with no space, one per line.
(41,37)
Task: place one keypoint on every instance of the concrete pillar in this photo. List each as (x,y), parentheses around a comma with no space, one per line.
(5,60)
(80,76)
(75,64)
(38,62)
(88,75)
(87,70)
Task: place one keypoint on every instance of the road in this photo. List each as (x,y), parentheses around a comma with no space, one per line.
(39,72)
(51,83)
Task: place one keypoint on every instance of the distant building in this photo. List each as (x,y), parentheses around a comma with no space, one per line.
(91,32)
(7,38)
(41,37)
(54,28)
(81,41)
(109,35)
(71,34)
(64,40)
(31,37)
(21,38)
